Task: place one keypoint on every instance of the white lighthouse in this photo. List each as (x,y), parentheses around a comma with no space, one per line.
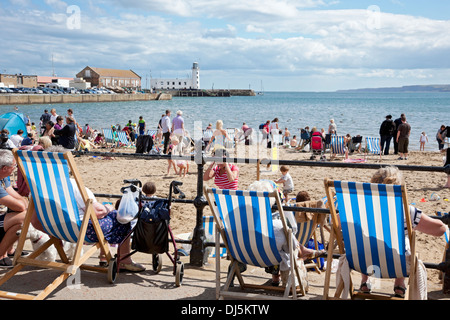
(195,76)
(176,83)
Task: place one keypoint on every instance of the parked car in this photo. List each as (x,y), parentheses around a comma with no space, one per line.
(35,91)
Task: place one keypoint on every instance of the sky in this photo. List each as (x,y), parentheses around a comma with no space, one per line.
(275,45)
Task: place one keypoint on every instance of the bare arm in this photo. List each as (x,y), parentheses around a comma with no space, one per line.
(431,226)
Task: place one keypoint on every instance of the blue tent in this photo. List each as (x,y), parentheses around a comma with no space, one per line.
(13,121)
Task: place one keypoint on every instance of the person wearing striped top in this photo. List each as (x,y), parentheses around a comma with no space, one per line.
(226,175)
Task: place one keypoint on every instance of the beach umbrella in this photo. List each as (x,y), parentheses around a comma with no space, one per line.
(13,121)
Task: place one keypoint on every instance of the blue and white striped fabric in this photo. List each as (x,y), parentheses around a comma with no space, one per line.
(209,226)
(152,133)
(123,138)
(207,134)
(247,220)
(373,145)
(305,231)
(47,174)
(446,234)
(107,133)
(337,144)
(372,219)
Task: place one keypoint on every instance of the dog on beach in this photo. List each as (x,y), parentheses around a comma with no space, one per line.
(38,238)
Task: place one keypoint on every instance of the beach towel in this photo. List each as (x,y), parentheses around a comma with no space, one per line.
(354,160)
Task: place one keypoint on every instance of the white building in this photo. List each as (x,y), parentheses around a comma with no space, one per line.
(176,84)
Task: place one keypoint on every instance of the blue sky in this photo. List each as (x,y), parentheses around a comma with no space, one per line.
(289,45)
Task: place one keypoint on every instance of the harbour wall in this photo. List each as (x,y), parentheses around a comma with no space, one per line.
(12,99)
(211,92)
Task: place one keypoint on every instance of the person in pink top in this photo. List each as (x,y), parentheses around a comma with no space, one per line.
(226,175)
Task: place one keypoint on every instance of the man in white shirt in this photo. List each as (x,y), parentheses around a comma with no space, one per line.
(166,128)
(53,116)
(17,138)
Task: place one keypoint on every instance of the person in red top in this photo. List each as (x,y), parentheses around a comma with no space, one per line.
(226,175)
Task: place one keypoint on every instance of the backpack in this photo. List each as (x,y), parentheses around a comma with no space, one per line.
(155,212)
(261,126)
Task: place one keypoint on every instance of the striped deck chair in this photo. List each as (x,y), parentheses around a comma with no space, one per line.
(109,137)
(152,133)
(206,137)
(232,135)
(337,146)
(371,232)
(372,146)
(53,201)
(123,139)
(307,224)
(209,227)
(244,221)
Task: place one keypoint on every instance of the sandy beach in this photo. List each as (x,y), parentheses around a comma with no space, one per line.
(106,176)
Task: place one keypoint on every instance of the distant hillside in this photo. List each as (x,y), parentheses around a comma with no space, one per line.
(416,88)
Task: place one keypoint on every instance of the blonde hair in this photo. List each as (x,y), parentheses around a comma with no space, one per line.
(387,175)
(45,142)
(219,124)
(260,185)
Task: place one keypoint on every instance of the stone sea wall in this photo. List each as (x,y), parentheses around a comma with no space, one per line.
(12,99)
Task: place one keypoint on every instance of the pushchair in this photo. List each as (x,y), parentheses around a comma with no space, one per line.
(317,146)
(151,233)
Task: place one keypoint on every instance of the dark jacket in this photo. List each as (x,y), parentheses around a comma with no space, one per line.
(387,128)
(67,135)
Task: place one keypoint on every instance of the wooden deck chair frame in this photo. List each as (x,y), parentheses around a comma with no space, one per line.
(357,200)
(210,228)
(68,268)
(373,146)
(307,224)
(212,195)
(447,244)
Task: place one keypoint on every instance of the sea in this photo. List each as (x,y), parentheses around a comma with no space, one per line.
(354,113)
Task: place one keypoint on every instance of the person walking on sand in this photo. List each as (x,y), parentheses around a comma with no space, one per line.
(178,127)
(166,128)
(141,125)
(404,130)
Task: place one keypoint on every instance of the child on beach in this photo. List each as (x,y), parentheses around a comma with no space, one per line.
(183,167)
(422,140)
(286,136)
(288,183)
(293,142)
(171,163)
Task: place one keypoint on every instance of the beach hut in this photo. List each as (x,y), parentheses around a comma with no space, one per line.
(13,121)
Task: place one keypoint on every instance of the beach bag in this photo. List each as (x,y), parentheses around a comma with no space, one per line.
(128,208)
(151,234)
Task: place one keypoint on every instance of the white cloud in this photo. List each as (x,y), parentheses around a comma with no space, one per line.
(294,41)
